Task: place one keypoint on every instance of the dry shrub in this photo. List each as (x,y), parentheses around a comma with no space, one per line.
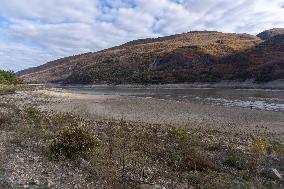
(195,161)
(259,148)
(7,89)
(72,142)
(237,161)
(278,148)
(3,119)
(180,152)
(213,147)
(32,112)
(65,119)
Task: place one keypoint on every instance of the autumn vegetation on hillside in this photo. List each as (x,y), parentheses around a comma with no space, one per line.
(195,56)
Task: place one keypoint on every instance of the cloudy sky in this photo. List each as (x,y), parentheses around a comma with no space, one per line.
(33,32)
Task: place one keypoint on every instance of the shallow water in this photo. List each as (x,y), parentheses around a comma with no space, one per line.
(271,100)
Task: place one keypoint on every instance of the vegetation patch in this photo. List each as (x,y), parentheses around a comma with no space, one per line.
(122,154)
(9,77)
(259,148)
(181,134)
(72,142)
(4,119)
(32,112)
(197,162)
(278,148)
(237,161)
(7,89)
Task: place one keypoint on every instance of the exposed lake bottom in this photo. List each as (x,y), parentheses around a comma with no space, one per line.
(271,100)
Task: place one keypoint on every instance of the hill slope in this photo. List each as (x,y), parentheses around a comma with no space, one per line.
(193,56)
(267,34)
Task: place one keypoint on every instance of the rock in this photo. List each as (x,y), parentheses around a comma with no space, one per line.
(272,174)
(151,186)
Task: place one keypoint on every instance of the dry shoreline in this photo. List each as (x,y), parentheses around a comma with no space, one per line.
(30,124)
(157,111)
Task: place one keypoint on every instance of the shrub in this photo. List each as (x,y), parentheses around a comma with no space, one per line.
(210,78)
(259,148)
(7,89)
(111,61)
(7,76)
(236,161)
(31,111)
(179,134)
(194,177)
(195,161)
(4,119)
(64,119)
(72,142)
(213,147)
(278,148)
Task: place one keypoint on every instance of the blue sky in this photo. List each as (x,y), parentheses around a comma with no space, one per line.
(33,32)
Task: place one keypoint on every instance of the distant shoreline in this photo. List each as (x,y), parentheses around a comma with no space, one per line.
(273,85)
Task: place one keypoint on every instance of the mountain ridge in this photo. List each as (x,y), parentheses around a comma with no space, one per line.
(187,57)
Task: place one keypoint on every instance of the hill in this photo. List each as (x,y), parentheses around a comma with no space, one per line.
(262,62)
(267,34)
(193,56)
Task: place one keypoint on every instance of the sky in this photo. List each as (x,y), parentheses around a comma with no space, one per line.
(33,32)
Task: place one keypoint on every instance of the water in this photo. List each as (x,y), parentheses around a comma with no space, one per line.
(271,100)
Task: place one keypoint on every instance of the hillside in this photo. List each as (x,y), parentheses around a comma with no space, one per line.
(263,62)
(193,56)
(267,34)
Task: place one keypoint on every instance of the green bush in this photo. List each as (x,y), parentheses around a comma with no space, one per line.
(181,134)
(72,142)
(7,76)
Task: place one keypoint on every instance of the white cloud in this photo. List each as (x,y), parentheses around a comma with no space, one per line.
(38,30)
(51,10)
(17,57)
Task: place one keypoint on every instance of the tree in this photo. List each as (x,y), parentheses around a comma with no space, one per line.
(7,76)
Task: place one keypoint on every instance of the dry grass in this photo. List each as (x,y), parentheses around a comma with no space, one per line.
(7,89)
